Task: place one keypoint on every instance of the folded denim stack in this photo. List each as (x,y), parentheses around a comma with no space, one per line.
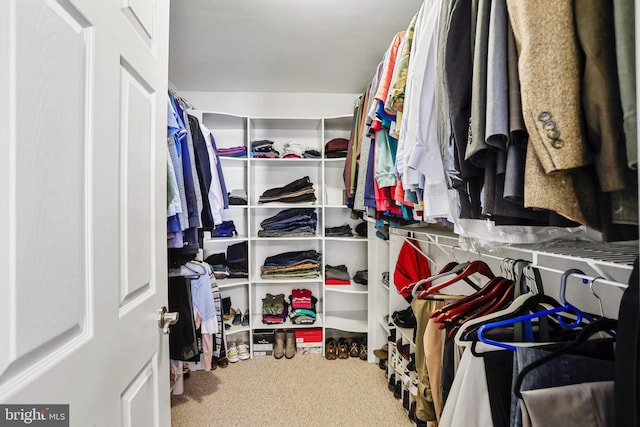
(264,148)
(292,265)
(225,229)
(238,197)
(336,275)
(298,191)
(293,222)
(340,231)
(311,153)
(233,152)
(303,307)
(274,309)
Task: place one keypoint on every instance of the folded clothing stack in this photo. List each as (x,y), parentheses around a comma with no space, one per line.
(274,309)
(303,307)
(340,231)
(298,222)
(336,275)
(233,264)
(298,191)
(233,152)
(292,265)
(238,197)
(264,148)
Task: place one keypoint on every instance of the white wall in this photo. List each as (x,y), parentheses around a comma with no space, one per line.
(276,104)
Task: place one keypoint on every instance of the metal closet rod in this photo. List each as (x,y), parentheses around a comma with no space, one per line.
(429,240)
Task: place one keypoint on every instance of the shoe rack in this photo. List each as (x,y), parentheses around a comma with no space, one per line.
(340,307)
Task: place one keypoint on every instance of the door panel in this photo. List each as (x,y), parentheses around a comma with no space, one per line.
(139,396)
(83,185)
(137,147)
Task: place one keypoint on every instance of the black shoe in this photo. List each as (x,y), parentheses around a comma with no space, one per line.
(392,382)
(404,318)
(412,364)
(397,390)
(383,364)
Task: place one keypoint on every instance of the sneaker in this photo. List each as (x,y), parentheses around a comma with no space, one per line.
(232,353)
(243,350)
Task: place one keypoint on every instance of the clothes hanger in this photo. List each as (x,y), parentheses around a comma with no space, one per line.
(476,266)
(447,313)
(565,306)
(450,268)
(499,299)
(599,325)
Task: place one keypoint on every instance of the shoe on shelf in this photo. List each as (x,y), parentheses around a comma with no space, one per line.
(412,364)
(382,364)
(392,382)
(364,354)
(412,411)
(243,350)
(331,349)
(343,349)
(237,317)
(397,390)
(382,353)
(245,318)
(230,314)
(232,353)
(354,351)
(290,344)
(404,318)
(278,345)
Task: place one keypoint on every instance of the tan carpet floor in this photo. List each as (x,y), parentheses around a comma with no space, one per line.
(303,391)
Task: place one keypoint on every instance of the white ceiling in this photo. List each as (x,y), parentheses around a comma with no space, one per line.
(326,46)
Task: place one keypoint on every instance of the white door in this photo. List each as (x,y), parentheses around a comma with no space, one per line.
(82,208)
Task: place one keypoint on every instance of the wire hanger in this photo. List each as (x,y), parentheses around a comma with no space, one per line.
(566,307)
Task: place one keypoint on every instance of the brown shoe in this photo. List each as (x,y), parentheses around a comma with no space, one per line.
(278,346)
(290,346)
(223,363)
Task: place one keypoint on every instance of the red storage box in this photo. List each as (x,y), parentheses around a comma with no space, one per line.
(311,335)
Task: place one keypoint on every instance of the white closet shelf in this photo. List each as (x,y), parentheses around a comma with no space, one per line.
(236,329)
(288,324)
(292,282)
(285,238)
(226,239)
(338,160)
(229,283)
(406,332)
(353,288)
(260,160)
(232,159)
(286,205)
(350,321)
(347,239)
(384,325)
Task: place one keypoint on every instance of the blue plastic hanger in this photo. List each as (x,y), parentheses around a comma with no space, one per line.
(566,307)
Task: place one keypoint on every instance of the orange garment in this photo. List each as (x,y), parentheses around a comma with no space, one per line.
(387,71)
